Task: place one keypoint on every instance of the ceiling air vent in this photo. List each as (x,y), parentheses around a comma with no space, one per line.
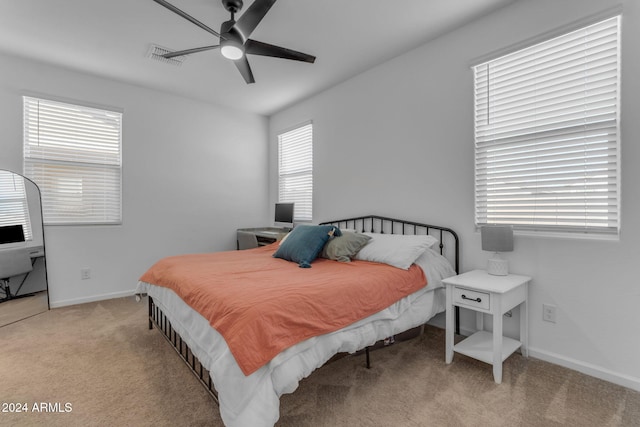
(155,52)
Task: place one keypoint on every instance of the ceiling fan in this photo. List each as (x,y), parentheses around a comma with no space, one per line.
(235,43)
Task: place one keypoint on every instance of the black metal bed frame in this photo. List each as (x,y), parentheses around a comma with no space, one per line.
(158,318)
(384,225)
(371,224)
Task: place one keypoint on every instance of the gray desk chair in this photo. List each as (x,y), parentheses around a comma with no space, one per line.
(247,240)
(13,262)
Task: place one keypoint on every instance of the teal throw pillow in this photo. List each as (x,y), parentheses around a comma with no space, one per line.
(305,242)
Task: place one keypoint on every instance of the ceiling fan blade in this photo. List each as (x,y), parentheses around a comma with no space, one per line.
(243,66)
(189,51)
(255,47)
(186,16)
(252,17)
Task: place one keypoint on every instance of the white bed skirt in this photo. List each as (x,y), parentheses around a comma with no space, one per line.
(254,400)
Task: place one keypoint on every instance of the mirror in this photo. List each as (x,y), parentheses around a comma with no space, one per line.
(23,272)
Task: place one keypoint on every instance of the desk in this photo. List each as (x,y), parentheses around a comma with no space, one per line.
(34,251)
(265,235)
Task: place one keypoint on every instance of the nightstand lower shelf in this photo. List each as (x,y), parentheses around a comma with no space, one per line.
(480,346)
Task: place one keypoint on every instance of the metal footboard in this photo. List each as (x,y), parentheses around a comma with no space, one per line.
(158,318)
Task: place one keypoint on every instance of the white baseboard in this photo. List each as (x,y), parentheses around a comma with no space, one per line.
(93,298)
(557,359)
(587,368)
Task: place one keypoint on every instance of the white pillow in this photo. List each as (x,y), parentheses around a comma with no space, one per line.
(435,267)
(398,250)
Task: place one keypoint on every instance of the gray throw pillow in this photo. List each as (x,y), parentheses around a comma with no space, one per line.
(344,247)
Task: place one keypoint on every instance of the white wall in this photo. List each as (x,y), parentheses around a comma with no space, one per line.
(397,140)
(192,173)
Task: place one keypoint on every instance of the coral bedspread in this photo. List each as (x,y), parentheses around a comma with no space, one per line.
(262,305)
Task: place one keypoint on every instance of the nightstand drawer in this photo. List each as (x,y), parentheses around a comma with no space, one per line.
(471,298)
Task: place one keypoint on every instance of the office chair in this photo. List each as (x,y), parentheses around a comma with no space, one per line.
(13,262)
(247,240)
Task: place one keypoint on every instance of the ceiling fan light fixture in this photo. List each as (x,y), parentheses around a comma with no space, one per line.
(232,49)
(234,36)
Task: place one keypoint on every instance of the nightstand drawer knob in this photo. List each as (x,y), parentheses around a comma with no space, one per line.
(471,299)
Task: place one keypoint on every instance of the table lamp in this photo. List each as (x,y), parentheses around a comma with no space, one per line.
(497,238)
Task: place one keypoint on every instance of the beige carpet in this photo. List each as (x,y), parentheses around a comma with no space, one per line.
(21,308)
(102,360)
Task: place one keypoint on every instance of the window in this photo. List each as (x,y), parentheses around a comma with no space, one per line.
(14,209)
(546,134)
(73,153)
(295,170)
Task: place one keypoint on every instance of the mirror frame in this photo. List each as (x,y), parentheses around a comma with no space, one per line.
(44,246)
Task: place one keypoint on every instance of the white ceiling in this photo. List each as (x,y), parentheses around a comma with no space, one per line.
(111,38)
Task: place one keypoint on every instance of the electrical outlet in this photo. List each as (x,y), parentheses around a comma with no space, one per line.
(85,273)
(549,313)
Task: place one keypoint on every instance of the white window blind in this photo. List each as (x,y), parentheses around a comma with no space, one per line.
(73,153)
(14,209)
(546,134)
(295,170)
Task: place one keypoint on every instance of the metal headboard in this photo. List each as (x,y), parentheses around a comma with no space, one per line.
(449,242)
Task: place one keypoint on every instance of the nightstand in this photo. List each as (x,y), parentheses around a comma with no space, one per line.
(479,291)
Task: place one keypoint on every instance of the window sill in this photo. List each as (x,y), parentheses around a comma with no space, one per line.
(565,235)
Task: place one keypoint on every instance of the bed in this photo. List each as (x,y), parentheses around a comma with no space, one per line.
(246,371)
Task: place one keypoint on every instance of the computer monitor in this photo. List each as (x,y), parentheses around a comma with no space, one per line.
(11,234)
(284,215)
